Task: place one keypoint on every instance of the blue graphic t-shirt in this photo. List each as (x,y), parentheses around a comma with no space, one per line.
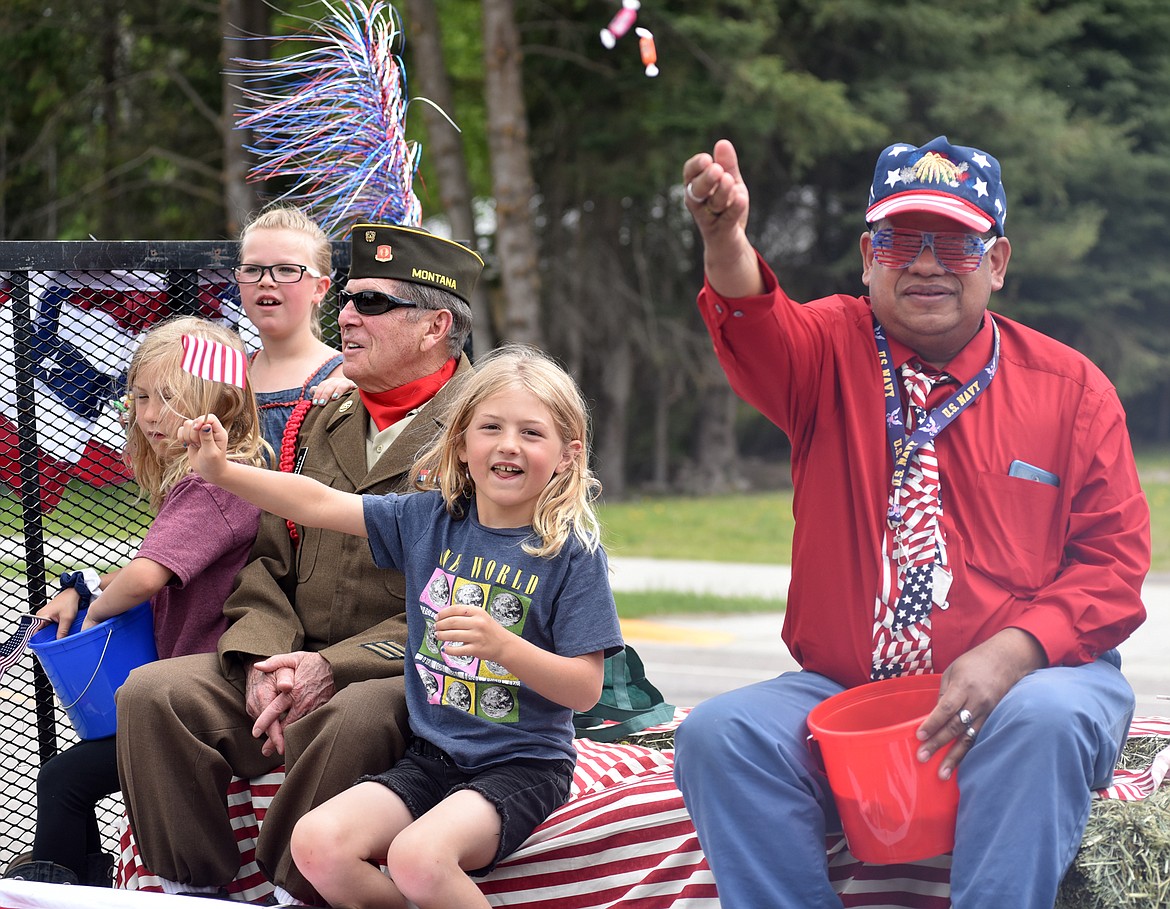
(476,710)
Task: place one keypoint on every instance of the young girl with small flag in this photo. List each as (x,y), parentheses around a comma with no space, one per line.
(509,616)
(199,539)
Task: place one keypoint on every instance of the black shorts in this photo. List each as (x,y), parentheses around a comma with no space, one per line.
(524,792)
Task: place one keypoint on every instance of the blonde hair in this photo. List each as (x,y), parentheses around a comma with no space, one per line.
(160,356)
(565,506)
(288,217)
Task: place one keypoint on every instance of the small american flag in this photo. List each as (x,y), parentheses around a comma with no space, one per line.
(13,649)
(213,361)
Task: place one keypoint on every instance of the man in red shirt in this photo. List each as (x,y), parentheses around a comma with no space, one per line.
(966,503)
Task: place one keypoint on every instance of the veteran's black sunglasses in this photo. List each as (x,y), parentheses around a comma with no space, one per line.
(373,302)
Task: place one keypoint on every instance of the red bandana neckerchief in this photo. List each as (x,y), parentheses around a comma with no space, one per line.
(388,407)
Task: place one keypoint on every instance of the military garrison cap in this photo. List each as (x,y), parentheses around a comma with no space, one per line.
(413,254)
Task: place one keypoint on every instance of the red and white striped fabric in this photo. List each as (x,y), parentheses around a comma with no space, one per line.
(213,361)
(624,839)
(1134,785)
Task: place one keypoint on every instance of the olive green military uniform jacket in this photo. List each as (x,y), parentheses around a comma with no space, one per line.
(324,594)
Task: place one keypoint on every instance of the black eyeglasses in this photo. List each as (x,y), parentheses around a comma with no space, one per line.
(282,273)
(373,302)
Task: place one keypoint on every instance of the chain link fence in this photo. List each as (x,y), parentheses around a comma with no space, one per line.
(71,314)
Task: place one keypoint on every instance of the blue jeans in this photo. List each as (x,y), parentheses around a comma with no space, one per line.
(747,776)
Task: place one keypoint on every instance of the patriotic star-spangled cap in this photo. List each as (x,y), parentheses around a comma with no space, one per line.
(954,181)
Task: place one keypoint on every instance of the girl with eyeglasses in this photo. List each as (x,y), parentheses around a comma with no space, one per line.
(283,275)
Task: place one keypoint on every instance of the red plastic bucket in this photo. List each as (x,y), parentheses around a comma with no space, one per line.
(893,809)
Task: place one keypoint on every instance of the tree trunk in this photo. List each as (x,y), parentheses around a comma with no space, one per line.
(716,464)
(512,182)
(1161,429)
(110,41)
(429,80)
(238,18)
(611,437)
(669,389)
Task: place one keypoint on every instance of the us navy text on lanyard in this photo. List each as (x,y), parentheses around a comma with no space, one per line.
(903,446)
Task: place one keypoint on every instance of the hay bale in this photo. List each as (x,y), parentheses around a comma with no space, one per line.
(1124,859)
(1140,750)
(659,741)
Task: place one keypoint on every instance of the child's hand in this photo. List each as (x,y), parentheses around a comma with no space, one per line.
(62,609)
(331,389)
(470,631)
(206,442)
(121,408)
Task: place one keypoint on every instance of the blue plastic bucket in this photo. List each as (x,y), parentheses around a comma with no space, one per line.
(87,667)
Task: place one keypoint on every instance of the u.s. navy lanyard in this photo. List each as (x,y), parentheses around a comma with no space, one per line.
(904,446)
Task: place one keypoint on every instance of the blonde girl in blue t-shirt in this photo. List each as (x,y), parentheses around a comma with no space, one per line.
(511,619)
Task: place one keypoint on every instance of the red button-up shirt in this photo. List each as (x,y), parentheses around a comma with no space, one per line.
(1065,563)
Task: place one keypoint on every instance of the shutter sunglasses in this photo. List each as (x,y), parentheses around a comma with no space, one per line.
(960,254)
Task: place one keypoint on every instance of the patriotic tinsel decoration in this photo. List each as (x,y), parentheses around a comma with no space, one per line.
(332,118)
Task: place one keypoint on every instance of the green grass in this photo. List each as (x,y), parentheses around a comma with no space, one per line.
(643,604)
(1154,469)
(1159,497)
(754,528)
(758,527)
(112,511)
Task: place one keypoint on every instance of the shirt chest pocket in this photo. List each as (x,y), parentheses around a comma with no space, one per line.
(315,546)
(1014,532)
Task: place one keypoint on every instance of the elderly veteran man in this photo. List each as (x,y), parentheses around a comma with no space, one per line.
(309,672)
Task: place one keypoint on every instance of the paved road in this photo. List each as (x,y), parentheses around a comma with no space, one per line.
(690,658)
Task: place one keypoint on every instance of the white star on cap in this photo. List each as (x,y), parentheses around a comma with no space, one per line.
(893,177)
(900,149)
(981,159)
(981,187)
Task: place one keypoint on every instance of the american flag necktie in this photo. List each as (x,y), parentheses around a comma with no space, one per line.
(912,549)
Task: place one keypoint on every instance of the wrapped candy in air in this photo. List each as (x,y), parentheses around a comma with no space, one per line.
(620,23)
(649,51)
